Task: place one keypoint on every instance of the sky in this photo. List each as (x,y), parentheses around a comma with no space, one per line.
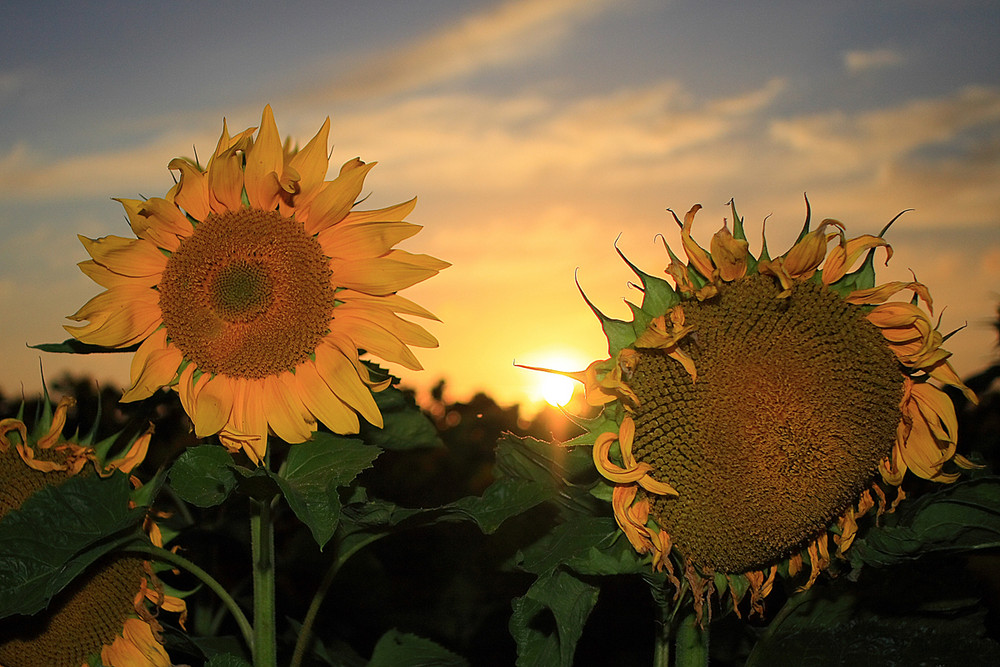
(536,135)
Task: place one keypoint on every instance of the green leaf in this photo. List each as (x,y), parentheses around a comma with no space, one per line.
(399,649)
(314,471)
(959,518)
(569,601)
(203,475)
(73,346)
(227,660)
(404,427)
(500,501)
(57,533)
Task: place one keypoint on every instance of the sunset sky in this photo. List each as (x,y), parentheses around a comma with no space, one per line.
(533,132)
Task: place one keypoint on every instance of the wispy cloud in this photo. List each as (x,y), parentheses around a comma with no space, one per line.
(857,61)
(513,32)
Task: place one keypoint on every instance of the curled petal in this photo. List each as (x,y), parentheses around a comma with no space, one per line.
(842,258)
(729,254)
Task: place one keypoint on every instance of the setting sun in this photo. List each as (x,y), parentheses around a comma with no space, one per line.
(552,388)
(557,390)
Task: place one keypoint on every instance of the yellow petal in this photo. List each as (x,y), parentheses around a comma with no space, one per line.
(696,254)
(154,366)
(841,259)
(192,193)
(385,275)
(320,400)
(119,317)
(340,375)
(391,302)
(213,405)
(336,199)
(396,213)
(225,183)
(806,255)
(127,257)
(346,319)
(380,342)
(729,254)
(285,413)
(264,161)
(312,163)
(363,240)
(107,278)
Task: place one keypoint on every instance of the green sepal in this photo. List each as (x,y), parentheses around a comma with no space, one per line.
(619,334)
(658,297)
(739,233)
(805,227)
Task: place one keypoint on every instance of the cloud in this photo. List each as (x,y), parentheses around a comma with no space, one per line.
(513,32)
(858,61)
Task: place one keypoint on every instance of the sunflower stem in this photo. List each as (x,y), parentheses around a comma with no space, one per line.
(166,556)
(265,650)
(690,642)
(305,632)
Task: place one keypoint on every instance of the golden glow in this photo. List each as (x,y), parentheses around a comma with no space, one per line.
(552,388)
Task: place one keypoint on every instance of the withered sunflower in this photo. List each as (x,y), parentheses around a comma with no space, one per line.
(253,285)
(756,408)
(110,610)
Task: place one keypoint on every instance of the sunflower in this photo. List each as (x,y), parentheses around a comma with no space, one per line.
(253,287)
(755,408)
(110,609)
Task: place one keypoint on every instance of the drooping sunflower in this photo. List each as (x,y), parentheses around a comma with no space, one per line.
(252,287)
(111,609)
(754,409)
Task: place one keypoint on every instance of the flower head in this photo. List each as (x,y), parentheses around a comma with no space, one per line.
(109,610)
(762,405)
(253,286)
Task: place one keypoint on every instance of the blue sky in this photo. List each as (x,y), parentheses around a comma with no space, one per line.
(533,133)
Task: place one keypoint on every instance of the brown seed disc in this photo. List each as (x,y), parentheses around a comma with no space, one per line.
(796,402)
(248,294)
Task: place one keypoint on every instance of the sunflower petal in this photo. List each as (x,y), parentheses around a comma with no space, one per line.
(331,205)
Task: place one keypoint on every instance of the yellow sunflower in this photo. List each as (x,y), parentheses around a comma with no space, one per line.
(758,407)
(253,286)
(110,610)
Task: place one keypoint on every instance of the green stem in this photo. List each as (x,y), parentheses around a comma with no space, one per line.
(265,653)
(305,632)
(690,642)
(180,561)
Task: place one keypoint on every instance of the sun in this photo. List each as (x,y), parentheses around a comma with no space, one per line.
(557,390)
(552,388)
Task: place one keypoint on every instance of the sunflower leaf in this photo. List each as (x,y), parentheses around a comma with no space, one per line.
(400,649)
(959,518)
(561,597)
(405,426)
(73,346)
(57,533)
(314,471)
(203,475)
(585,544)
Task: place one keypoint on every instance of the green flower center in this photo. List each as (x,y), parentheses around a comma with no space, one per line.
(241,291)
(796,402)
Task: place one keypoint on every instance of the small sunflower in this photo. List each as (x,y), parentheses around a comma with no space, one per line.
(757,407)
(252,288)
(109,610)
